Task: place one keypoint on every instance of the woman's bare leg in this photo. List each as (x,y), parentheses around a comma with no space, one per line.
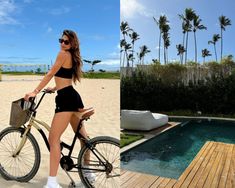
(74,123)
(59,124)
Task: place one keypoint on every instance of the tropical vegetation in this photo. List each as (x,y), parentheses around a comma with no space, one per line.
(191,23)
(176,87)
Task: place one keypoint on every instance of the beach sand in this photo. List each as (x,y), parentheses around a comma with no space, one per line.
(102,94)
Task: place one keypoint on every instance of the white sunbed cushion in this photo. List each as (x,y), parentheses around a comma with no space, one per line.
(142,120)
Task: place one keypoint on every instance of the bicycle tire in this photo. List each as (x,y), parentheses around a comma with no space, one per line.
(109,148)
(9,139)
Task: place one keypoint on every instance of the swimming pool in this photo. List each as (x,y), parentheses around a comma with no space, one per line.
(170,153)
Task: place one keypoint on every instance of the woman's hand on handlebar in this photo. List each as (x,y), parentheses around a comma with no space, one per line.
(30,95)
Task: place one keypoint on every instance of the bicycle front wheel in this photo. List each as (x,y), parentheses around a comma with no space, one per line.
(24,165)
(100,163)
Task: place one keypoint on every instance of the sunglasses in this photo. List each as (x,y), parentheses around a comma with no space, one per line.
(66,42)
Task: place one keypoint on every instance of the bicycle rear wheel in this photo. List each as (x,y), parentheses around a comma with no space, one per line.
(24,165)
(100,164)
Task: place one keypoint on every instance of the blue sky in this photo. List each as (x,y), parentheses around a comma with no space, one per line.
(30,30)
(139,14)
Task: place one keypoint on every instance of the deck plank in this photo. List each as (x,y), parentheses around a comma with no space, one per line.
(171,183)
(231,175)
(225,171)
(213,166)
(217,176)
(185,174)
(205,159)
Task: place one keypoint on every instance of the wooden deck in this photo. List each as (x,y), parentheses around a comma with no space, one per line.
(214,166)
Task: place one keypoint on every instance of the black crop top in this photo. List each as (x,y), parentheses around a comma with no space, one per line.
(64,72)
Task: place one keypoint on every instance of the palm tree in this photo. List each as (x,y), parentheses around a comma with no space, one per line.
(165,37)
(181,51)
(187,18)
(205,53)
(122,46)
(223,23)
(125,29)
(94,62)
(162,21)
(134,37)
(127,48)
(167,44)
(215,39)
(185,27)
(197,26)
(143,51)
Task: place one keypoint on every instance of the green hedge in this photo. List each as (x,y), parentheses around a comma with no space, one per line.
(214,95)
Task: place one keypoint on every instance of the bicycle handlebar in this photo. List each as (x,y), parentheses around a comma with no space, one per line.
(40,100)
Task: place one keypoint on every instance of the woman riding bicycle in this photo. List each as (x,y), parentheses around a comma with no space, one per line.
(67,69)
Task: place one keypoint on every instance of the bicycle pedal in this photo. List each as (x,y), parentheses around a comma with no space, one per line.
(76,185)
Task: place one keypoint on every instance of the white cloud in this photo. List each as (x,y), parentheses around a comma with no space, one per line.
(157,47)
(114,54)
(49,29)
(132,8)
(28,1)
(97,37)
(110,62)
(7,7)
(59,11)
(118,46)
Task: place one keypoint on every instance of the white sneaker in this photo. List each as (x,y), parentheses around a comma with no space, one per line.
(90,176)
(58,186)
(77,185)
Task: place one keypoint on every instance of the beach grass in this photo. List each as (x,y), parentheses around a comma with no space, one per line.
(97,75)
(102,75)
(127,139)
(15,73)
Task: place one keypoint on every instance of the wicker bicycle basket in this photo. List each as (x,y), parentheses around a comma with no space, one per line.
(20,112)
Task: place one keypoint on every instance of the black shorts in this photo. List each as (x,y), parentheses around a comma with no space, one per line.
(68,100)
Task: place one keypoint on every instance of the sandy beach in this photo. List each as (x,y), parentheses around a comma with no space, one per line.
(102,94)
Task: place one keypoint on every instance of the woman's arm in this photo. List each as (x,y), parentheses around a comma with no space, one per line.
(61,57)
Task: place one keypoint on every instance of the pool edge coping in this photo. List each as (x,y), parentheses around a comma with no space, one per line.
(147,136)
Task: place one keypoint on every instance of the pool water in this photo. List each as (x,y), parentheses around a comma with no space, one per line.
(170,153)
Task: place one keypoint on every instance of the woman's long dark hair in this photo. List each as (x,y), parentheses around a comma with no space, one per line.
(75,52)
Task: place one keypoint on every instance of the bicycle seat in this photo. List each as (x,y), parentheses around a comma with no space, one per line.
(85,114)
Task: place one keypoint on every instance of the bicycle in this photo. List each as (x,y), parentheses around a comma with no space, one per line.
(20,154)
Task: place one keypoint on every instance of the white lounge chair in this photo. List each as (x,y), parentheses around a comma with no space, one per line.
(142,120)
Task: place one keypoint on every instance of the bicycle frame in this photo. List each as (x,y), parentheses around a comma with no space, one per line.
(36,124)
(33,122)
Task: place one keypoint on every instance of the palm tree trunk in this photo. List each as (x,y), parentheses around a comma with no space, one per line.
(123,52)
(159,48)
(195,42)
(215,53)
(167,56)
(183,46)
(123,62)
(186,48)
(133,55)
(181,59)
(120,59)
(127,60)
(221,53)
(164,54)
